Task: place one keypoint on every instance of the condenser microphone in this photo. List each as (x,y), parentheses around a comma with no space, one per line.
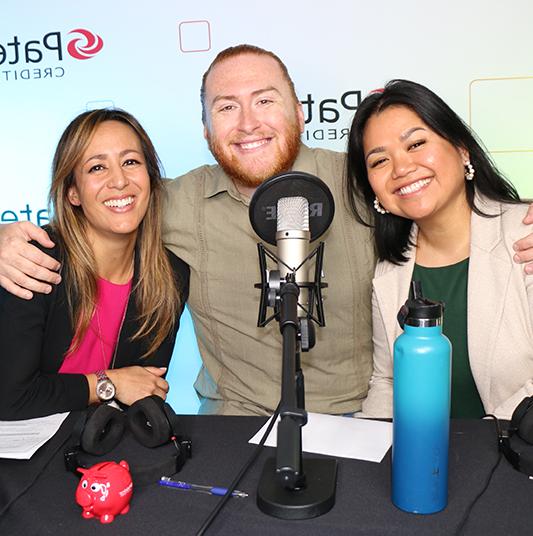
(292,238)
(264,204)
(291,210)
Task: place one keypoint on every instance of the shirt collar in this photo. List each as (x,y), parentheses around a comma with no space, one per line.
(220,182)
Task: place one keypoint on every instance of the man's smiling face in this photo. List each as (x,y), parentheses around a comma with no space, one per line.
(253,122)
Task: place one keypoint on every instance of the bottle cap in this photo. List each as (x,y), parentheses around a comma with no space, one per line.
(420,311)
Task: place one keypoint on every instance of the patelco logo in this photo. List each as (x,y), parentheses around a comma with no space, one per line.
(85,47)
(32,59)
(329,112)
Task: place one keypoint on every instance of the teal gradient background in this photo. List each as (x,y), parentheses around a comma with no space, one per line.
(155,53)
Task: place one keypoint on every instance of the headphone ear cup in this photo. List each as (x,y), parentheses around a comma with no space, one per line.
(522,419)
(148,421)
(520,411)
(103,429)
(172,419)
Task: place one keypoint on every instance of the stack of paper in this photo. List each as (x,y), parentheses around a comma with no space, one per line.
(20,439)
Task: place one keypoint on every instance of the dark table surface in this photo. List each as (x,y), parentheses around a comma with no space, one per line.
(37,495)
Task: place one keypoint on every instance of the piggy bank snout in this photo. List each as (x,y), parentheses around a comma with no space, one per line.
(83,498)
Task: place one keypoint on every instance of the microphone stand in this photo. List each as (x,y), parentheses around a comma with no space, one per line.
(292,487)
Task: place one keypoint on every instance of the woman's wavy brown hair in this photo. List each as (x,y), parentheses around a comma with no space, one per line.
(156,293)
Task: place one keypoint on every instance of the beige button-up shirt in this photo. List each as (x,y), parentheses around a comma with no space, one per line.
(206,224)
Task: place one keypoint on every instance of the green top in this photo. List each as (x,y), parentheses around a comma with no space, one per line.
(449,284)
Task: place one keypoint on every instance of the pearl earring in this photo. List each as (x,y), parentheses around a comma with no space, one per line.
(469,171)
(378,207)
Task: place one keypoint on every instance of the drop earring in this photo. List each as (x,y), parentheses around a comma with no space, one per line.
(469,171)
(378,207)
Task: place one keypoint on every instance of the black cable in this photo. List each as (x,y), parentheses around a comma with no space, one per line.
(239,476)
(466,516)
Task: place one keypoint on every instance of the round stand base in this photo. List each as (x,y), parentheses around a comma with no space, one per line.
(317,498)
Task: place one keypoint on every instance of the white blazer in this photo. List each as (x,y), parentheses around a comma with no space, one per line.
(500,313)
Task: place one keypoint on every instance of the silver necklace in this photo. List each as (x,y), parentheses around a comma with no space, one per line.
(101,339)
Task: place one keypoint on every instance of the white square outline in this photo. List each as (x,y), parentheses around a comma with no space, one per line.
(208,36)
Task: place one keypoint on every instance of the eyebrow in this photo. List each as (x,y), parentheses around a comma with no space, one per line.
(403,137)
(254,94)
(103,156)
(408,132)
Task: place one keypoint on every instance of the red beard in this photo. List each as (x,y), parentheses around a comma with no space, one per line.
(242,175)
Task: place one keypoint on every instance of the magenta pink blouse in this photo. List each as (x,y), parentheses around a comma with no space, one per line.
(98,345)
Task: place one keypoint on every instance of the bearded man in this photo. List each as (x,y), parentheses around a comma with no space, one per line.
(252,123)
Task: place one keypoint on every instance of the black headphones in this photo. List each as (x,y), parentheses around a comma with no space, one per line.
(151,421)
(522,426)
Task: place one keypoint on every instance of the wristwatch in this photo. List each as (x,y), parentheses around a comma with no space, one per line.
(105,388)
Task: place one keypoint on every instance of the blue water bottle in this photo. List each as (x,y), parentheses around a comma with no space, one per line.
(421,407)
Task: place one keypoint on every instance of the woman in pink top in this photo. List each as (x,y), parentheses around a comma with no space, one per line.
(107,330)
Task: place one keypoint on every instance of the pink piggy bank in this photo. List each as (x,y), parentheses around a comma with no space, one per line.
(105,490)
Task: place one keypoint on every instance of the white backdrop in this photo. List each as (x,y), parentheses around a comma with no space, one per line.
(149,59)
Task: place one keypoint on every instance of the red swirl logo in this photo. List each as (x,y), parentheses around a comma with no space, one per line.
(85,47)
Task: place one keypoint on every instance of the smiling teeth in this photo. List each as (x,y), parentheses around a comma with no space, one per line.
(414,187)
(119,203)
(253,144)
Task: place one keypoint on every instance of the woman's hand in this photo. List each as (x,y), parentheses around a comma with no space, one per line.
(134,383)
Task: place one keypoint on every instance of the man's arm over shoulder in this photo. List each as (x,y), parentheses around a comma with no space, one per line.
(524,246)
(182,205)
(181,275)
(24,268)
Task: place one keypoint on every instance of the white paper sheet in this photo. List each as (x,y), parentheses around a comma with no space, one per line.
(345,437)
(20,439)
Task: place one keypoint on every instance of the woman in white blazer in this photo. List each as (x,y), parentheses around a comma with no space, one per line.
(442,214)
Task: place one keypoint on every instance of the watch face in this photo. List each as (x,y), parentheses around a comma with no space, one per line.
(105,390)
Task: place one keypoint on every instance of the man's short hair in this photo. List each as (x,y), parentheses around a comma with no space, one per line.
(232,52)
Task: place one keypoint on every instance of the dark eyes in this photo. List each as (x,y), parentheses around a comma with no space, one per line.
(231,107)
(97,167)
(416,144)
(127,163)
(377,162)
(412,146)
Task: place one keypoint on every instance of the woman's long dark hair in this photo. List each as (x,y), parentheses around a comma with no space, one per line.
(392,232)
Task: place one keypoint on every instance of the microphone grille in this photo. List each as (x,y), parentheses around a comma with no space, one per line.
(293,214)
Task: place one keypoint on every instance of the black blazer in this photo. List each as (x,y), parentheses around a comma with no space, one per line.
(36,334)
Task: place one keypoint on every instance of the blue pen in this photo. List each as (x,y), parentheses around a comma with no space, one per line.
(212,490)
